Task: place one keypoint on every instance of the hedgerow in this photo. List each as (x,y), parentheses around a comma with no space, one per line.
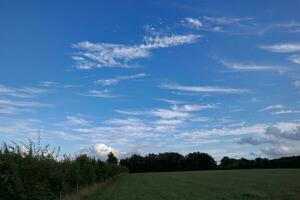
(30,172)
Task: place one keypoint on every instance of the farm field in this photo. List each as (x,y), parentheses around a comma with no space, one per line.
(230,184)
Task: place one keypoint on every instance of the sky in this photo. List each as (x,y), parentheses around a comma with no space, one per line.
(220,77)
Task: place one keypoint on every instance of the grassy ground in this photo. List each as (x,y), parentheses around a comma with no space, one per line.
(231,184)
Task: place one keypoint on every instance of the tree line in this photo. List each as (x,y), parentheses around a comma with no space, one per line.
(171,161)
(32,172)
(260,163)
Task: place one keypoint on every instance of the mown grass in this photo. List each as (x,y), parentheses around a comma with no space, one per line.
(202,185)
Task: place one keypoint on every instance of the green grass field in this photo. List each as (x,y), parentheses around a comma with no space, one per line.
(231,184)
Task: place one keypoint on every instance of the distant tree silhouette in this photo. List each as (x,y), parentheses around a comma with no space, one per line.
(199,161)
(284,162)
(111,158)
(168,161)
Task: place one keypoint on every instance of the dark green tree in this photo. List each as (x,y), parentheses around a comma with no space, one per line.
(112,159)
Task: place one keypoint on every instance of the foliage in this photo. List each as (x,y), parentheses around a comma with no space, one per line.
(169,161)
(31,172)
(112,159)
(284,162)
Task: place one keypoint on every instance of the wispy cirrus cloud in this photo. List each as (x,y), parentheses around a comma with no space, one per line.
(282,48)
(13,107)
(204,89)
(281,112)
(226,20)
(99,55)
(115,81)
(242,67)
(272,107)
(48,84)
(99,93)
(23,92)
(295,59)
(297,83)
(174,112)
(191,22)
(77,120)
(17,103)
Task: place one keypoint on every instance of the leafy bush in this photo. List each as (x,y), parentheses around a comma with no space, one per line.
(34,173)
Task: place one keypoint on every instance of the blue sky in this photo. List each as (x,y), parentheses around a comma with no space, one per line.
(141,76)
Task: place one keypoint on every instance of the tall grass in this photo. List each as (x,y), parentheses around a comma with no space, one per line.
(32,172)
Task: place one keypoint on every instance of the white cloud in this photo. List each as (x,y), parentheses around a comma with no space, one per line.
(98,55)
(191,22)
(13,107)
(127,112)
(179,112)
(98,150)
(77,120)
(23,92)
(170,101)
(172,122)
(227,131)
(192,107)
(48,84)
(281,151)
(252,67)
(297,83)
(225,20)
(272,107)
(201,89)
(67,136)
(295,59)
(282,48)
(99,93)
(254,100)
(114,81)
(125,122)
(16,103)
(293,133)
(11,110)
(286,112)
(168,114)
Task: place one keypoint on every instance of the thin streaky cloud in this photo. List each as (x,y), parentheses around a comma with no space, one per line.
(226,20)
(77,120)
(170,101)
(128,112)
(191,22)
(281,112)
(241,67)
(48,84)
(272,107)
(295,59)
(282,48)
(99,93)
(23,92)
(10,102)
(204,89)
(115,81)
(99,55)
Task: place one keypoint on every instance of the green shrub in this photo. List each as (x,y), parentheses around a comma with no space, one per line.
(34,173)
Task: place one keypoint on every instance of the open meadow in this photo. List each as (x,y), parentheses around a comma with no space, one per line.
(222,184)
